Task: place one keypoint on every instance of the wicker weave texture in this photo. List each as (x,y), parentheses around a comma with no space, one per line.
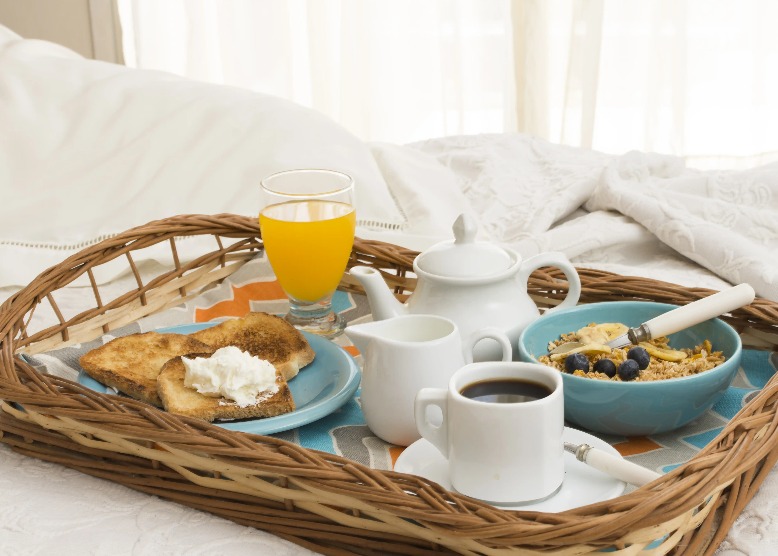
(322,501)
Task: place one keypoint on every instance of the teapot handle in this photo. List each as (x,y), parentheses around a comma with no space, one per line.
(559,260)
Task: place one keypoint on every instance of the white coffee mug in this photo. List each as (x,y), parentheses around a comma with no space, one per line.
(404,354)
(501,431)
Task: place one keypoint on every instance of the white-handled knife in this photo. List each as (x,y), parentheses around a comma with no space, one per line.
(688,315)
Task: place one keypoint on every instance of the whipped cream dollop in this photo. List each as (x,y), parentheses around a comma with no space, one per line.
(231,373)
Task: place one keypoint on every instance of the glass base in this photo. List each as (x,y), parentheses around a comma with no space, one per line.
(315,318)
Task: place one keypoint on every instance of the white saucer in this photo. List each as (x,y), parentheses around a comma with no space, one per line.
(582,484)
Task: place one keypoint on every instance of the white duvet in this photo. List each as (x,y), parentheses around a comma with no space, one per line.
(638,213)
(89,149)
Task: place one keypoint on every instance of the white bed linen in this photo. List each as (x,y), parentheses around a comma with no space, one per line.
(46,507)
(89,149)
(634,214)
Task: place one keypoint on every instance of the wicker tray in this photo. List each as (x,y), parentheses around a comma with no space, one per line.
(325,502)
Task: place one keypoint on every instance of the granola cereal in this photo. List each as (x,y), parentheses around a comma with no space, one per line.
(664,362)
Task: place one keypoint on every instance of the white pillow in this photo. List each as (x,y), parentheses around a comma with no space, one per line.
(428,193)
(89,149)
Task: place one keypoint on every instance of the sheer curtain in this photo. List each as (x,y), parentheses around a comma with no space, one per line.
(695,78)
(392,70)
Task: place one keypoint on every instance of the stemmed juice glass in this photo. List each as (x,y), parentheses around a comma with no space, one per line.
(307,224)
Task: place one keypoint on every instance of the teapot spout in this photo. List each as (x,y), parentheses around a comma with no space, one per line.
(383,305)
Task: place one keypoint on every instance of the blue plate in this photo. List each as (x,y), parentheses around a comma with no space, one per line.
(318,390)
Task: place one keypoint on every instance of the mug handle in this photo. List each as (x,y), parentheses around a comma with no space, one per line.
(559,260)
(436,435)
(494,334)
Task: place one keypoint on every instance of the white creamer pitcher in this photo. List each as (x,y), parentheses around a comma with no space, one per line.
(404,354)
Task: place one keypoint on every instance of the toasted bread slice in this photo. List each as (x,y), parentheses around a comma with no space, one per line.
(132,363)
(182,400)
(266,336)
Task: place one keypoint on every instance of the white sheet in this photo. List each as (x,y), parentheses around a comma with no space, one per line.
(638,213)
(67,512)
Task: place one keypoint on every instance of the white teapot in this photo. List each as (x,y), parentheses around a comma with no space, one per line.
(476,284)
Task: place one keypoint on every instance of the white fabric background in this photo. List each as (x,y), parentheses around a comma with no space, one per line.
(67,126)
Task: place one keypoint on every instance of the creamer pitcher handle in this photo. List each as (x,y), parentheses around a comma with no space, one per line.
(559,260)
(492,333)
(437,435)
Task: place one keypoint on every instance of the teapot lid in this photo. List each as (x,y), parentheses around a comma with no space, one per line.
(464,257)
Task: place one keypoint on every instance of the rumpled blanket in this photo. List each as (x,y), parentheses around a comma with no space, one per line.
(639,213)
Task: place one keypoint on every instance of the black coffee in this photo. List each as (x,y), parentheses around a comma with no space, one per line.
(505,390)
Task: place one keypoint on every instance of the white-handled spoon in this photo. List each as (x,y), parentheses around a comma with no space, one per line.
(688,315)
(614,466)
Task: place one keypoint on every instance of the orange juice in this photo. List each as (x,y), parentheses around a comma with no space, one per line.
(308,244)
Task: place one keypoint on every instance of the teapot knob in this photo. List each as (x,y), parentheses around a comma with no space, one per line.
(465,228)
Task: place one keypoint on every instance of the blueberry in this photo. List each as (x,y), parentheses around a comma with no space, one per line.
(629,370)
(640,356)
(605,366)
(576,362)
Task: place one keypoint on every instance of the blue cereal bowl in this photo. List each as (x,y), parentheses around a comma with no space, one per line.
(636,408)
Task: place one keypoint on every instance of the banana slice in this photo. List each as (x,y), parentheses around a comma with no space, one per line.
(665,354)
(614,329)
(588,349)
(601,333)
